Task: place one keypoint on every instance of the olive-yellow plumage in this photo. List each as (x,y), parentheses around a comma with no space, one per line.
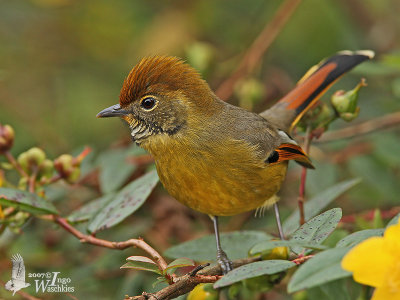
(211,156)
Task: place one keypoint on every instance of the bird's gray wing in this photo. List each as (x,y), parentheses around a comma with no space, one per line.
(18,268)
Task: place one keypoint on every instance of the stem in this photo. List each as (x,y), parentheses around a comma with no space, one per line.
(15,164)
(32,180)
(139,243)
(302,189)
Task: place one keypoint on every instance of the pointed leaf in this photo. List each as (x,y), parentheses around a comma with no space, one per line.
(114,169)
(141,263)
(236,245)
(255,269)
(88,210)
(317,229)
(127,201)
(271,244)
(357,237)
(26,201)
(141,259)
(179,263)
(315,205)
(323,267)
(394,221)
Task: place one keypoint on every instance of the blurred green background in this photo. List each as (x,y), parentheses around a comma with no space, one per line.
(62,61)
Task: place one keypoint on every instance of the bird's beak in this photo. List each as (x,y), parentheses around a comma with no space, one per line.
(112,111)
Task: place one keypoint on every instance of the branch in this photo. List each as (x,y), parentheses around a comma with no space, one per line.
(188,282)
(15,164)
(384,122)
(139,243)
(253,55)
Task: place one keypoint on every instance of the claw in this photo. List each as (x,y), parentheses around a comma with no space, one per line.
(224,262)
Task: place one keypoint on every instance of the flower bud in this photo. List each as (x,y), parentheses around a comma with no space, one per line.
(36,156)
(345,103)
(46,168)
(31,159)
(276,253)
(6,138)
(203,291)
(68,167)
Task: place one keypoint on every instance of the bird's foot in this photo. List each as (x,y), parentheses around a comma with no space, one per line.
(224,262)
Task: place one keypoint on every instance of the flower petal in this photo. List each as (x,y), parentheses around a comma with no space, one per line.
(392,238)
(369,261)
(384,293)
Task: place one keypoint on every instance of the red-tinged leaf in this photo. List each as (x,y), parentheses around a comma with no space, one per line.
(180,263)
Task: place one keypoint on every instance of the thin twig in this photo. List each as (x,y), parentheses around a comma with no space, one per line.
(139,243)
(15,164)
(387,121)
(302,259)
(302,189)
(253,55)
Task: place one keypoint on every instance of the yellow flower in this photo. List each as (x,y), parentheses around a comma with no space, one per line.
(376,262)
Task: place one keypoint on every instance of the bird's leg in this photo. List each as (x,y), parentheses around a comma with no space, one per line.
(222,258)
(278,221)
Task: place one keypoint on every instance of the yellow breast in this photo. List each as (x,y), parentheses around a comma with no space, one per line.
(224,179)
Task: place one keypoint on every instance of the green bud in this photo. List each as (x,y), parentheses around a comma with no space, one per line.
(31,159)
(345,103)
(68,167)
(74,176)
(23,161)
(6,138)
(36,156)
(46,168)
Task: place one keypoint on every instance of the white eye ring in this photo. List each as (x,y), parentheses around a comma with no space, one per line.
(148,103)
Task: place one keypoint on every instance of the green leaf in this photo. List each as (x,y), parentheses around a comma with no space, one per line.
(357,237)
(255,269)
(394,221)
(315,205)
(333,290)
(114,168)
(271,244)
(88,210)
(127,201)
(317,229)
(323,267)
(141,263)
(235,244)
(179,263)
(26,201)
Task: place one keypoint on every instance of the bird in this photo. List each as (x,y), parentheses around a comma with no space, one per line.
(17,281)
(214,157)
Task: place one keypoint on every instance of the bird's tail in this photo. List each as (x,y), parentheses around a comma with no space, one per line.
(288,110)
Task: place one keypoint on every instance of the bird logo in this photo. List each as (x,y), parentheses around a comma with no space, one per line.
(17,281)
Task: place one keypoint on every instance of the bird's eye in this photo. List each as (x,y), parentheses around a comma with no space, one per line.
(148,103)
